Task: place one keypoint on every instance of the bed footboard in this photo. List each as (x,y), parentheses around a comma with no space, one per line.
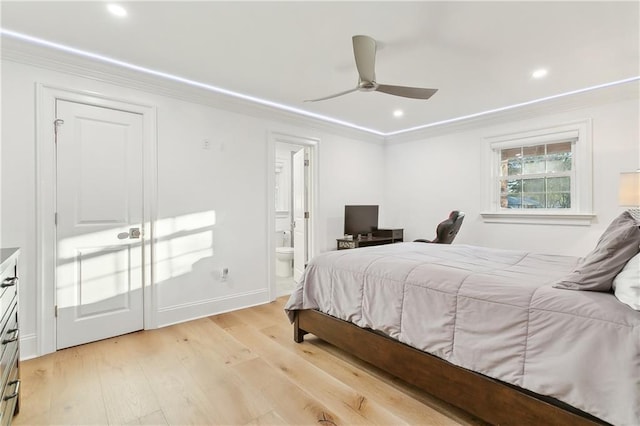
(489,399)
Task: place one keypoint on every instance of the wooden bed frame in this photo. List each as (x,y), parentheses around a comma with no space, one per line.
(491,400)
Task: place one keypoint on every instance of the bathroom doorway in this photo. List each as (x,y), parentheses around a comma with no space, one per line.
(293,183)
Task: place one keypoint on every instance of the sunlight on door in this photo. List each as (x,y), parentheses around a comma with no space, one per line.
(99,199)
(108,274)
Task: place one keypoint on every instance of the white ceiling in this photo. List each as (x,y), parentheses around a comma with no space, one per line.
(480,55)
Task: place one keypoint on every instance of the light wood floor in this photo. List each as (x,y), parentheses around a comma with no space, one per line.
(239,368)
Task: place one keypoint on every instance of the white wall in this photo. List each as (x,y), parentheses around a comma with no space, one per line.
(427,178)
(193,183)
(349,166)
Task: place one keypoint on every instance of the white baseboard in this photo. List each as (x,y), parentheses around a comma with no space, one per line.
(175,314)
(190,311)
(28,347)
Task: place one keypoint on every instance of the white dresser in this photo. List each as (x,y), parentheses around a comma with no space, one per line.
(9,336)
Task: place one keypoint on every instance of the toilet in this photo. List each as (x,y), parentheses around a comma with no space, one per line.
(284,258)
(284,255)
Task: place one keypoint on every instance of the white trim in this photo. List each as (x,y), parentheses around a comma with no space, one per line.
(28,346)
(46,97)
(581,212)
(571,130)
(176,314)
(539,218)
(314,162)
(539,139)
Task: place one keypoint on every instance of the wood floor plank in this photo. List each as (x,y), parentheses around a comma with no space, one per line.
(293,404)
(209,336)
(271,418)
(154,419)
(180,397)
(228,319)
(204,352)
(348,403)
(126,390)
(77,393)
(228,396)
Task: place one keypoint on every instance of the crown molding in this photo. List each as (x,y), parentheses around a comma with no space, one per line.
(584,99)
(59,61)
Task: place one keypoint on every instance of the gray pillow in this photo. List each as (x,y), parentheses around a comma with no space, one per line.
(619,243)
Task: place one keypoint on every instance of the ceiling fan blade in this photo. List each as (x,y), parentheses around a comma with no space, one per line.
(332,96)
(364,50)
(406,92)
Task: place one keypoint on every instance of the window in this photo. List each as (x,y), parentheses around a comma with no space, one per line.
(541,176)
(536,177)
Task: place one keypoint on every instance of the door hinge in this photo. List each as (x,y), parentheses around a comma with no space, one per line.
(56,124)
(306,215)
(306,163)
(55,218)
(55,309)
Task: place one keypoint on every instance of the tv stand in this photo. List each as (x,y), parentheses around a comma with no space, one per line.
(379,237)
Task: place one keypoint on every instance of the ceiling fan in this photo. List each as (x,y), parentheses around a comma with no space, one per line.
(364,50)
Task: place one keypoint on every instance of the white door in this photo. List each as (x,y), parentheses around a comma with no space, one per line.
(99,202)
(300,212)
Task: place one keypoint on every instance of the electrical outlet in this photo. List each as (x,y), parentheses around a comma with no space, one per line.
(206,144)
(224,274)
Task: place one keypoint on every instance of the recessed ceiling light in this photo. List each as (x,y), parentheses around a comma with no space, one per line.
(117,10)
(539,73)
(398,113)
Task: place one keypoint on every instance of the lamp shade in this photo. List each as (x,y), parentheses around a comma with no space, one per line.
(630,189)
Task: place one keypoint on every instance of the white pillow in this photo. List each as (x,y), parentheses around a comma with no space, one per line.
(626,285)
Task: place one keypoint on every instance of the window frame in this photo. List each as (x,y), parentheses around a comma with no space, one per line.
(581,210)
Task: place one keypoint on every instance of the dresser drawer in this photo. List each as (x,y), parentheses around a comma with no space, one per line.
(9,340)
(8,290)
(9,398)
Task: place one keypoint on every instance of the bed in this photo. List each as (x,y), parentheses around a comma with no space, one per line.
(483,329)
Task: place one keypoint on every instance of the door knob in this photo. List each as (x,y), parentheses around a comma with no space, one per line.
(133,233)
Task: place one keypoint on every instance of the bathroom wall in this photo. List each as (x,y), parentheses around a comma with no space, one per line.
(284,187)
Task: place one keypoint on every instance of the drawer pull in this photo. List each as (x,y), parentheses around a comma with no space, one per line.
(15,392)
(14,338)
(9,282)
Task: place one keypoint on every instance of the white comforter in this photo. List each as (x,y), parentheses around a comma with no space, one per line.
(491,311)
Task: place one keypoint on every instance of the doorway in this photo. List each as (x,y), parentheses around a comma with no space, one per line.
(96,168)
(292,224)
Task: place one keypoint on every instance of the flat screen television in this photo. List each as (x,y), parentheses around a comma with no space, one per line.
(360,219)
